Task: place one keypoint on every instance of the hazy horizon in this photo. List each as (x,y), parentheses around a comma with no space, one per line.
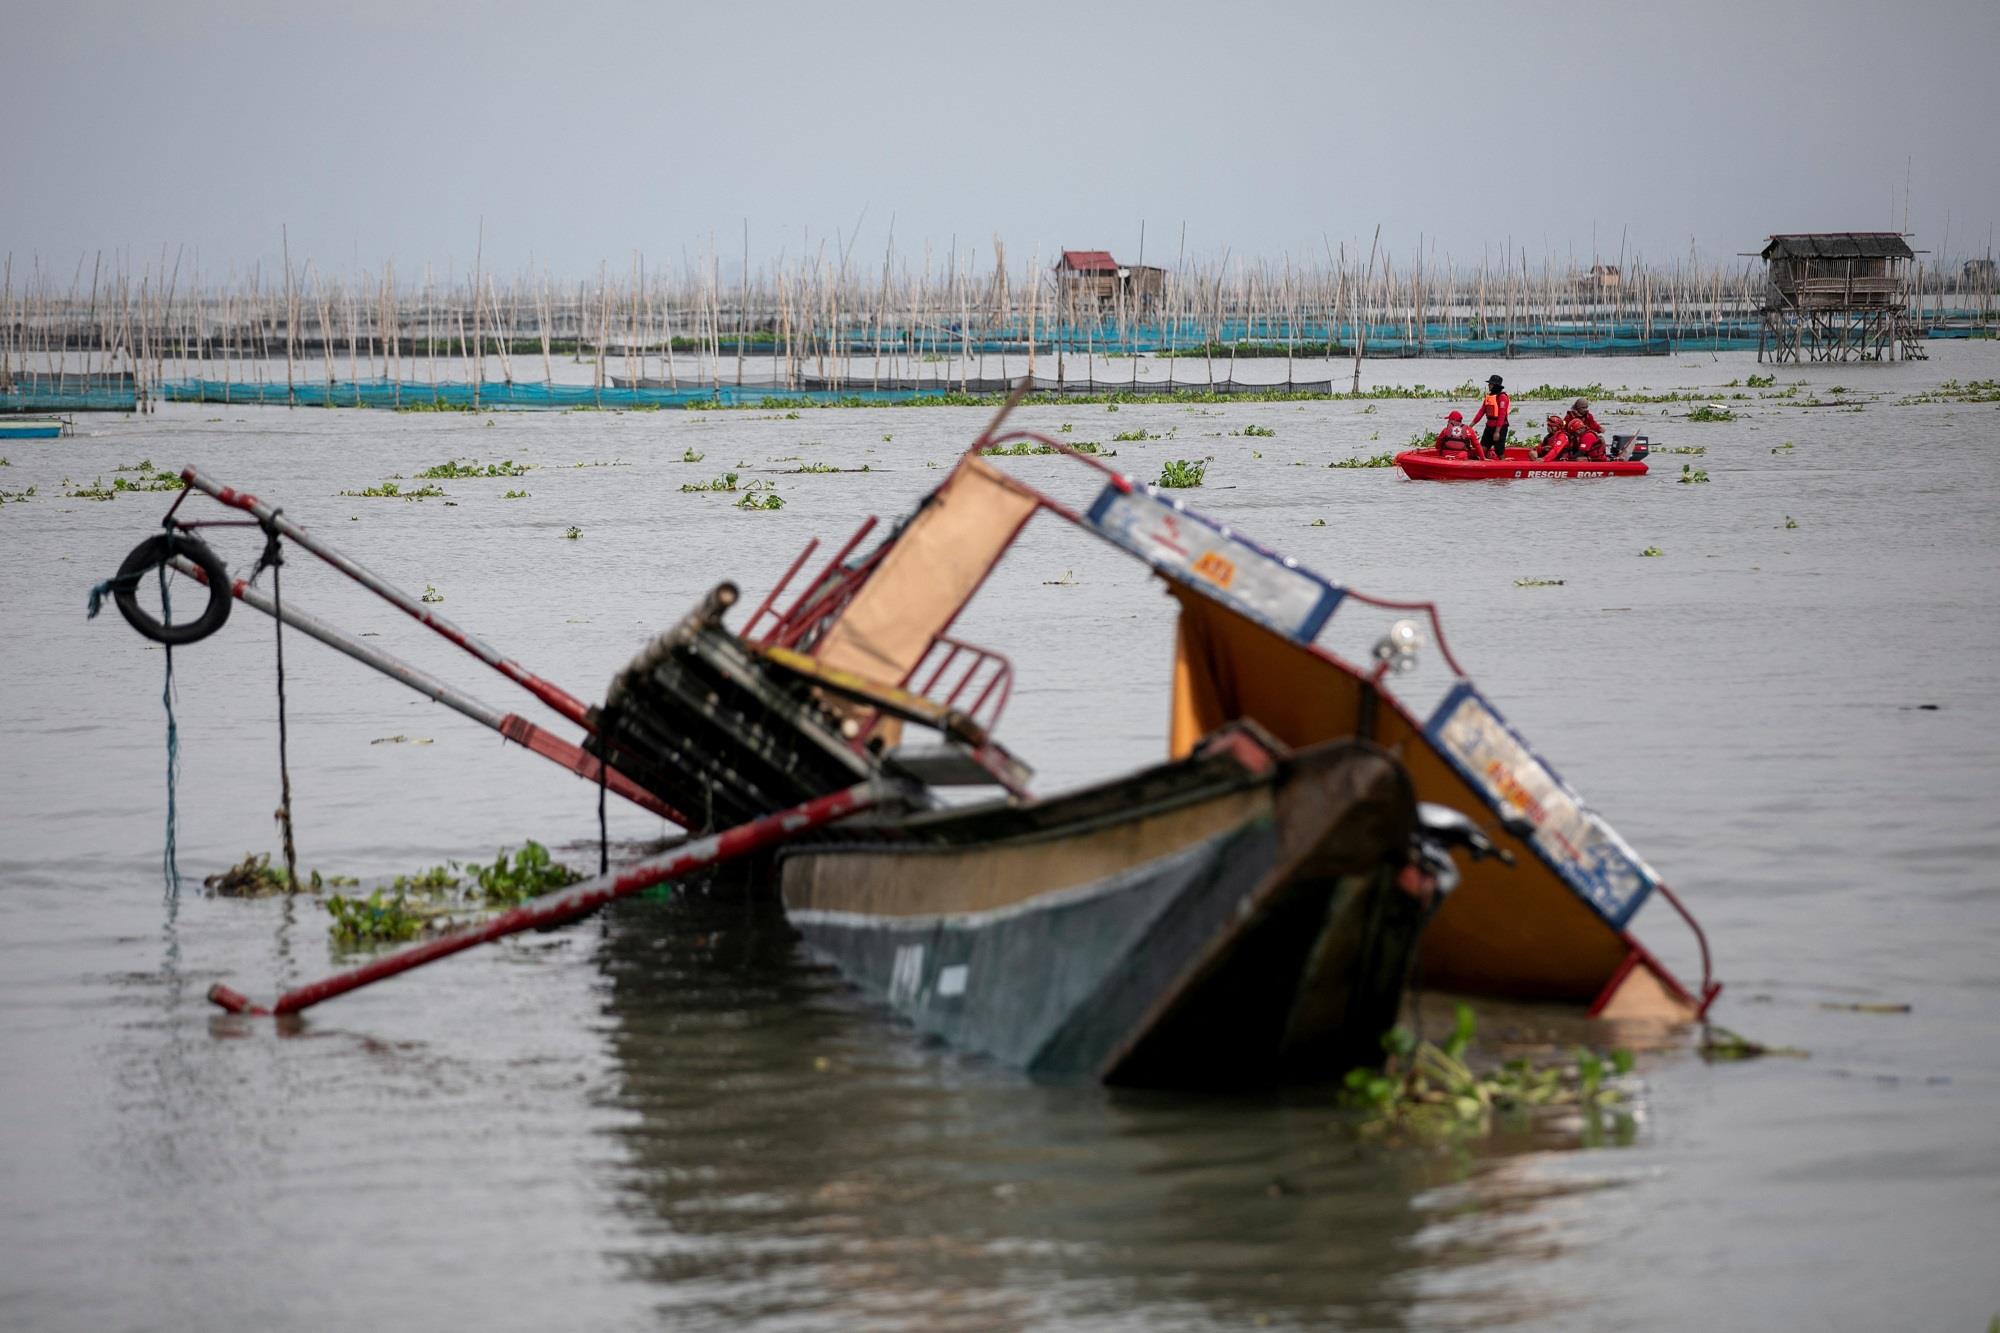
(574,139)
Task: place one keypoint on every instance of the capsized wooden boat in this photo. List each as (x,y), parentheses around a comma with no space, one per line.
(1231,918)
(865,651)
(1552,926)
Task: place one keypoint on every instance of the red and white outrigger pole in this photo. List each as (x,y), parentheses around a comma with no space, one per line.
(582,899)
(273,521)
(510,725)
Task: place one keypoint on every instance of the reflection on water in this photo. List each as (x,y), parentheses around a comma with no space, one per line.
(795,1150)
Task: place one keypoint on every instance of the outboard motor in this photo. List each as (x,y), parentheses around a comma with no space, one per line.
(1629,447)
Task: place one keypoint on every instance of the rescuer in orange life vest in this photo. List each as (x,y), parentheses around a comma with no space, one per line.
(1457,438)
(1493,411)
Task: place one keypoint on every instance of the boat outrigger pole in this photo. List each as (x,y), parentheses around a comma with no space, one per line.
(582,899)
(273,520)
(510,725)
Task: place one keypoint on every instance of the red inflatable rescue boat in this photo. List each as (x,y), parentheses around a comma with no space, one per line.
(1628,453)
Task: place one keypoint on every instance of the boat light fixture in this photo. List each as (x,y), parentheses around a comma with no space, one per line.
(1397,650)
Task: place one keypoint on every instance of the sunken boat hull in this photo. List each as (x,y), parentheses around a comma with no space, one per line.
(1227,920)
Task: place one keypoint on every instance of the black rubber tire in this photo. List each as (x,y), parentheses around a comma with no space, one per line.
(149,555)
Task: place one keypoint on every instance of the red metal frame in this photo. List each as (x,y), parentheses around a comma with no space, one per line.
(778,587)
(790,627)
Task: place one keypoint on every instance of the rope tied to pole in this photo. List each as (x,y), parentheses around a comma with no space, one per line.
(273,559)
(169,865)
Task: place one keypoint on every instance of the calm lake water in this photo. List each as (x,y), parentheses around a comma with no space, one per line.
(672,1116)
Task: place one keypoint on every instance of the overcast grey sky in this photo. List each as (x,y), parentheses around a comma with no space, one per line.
(584,131)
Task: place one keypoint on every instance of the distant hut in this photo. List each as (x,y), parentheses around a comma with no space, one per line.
(1979,275)
(1837,296)
(1087,280)
(1092,283)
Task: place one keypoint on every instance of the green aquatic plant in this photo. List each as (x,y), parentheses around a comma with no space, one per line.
(1538,583)
(1951,391)
(573,532)
(16,497)
(725,482)
(434,880)
(766,501)
(1790,522)
(515,495)
(430,594)
(1134,436)
(1317,523)
(1696,449)
(379,918)
(390,490)
(1257,432)
(689,455)
(1711,412)
(252,877)
(1426,1092)
(1652,551)
(158,481)
(1181,473)
(529,873)
(1691,475)
(143,465)
(436,405)
(1786,447)
(816,467)
(1719,1043)
(99,491)
(472,468)
(1376,460)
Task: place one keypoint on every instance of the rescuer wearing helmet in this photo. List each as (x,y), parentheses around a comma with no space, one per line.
(1556,443)
(1456,439)
(1493,411)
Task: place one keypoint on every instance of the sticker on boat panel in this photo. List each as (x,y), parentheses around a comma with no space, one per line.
(1199,552)
(906,974)
(1573,839)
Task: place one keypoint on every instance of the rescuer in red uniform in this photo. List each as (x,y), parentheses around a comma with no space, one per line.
(1555,443)
(1493,411)
(1456,439)
(1582,427)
